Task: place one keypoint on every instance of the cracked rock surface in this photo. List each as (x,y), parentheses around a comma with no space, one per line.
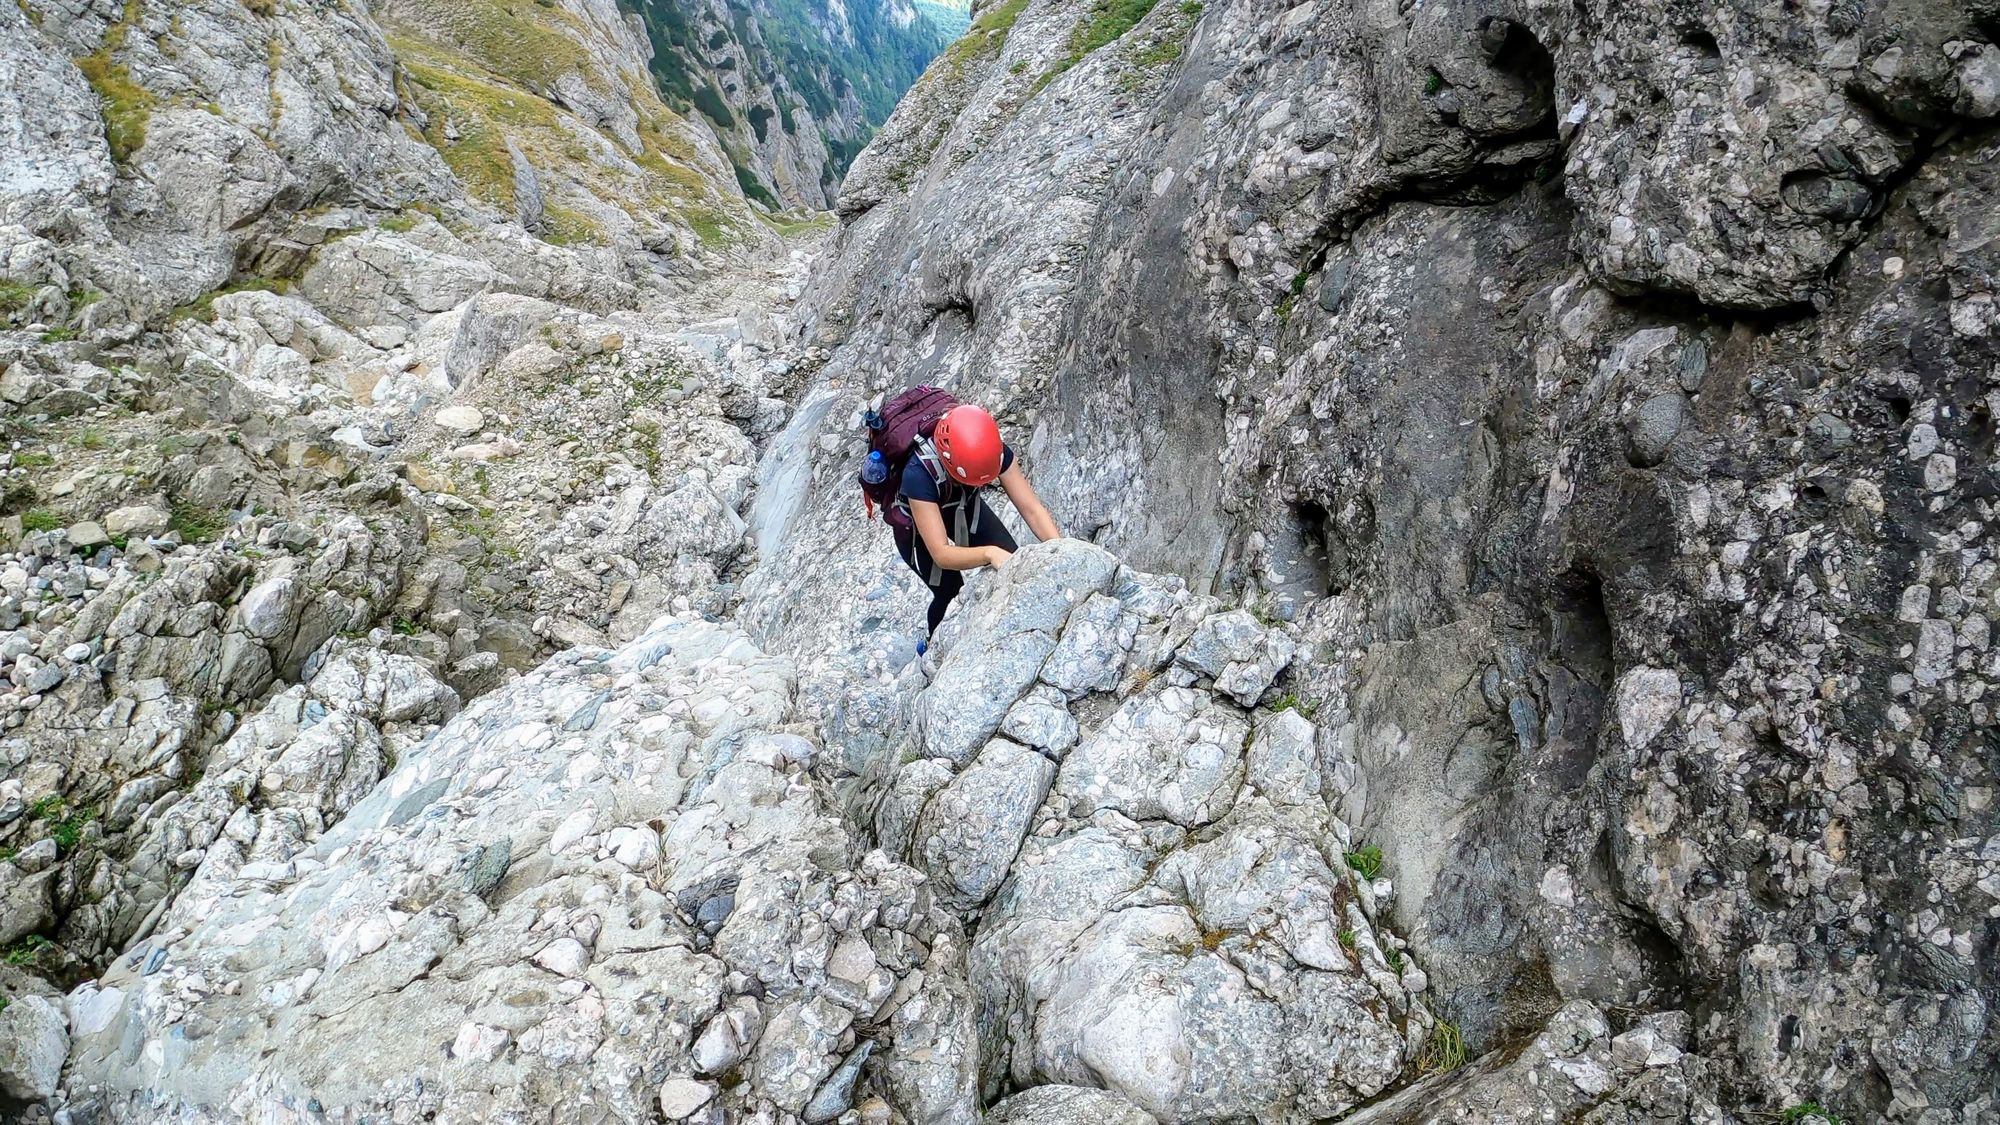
(1523,651)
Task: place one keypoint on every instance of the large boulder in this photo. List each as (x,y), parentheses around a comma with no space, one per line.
(34,1041)
(1004,641)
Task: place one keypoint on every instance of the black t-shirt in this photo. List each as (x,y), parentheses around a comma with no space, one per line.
(919,485)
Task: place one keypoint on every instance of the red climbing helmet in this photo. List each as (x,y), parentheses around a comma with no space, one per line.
(968,441)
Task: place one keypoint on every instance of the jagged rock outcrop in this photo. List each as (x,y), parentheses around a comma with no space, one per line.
(613,883)
(156,153)
(258,264)
(1605,392)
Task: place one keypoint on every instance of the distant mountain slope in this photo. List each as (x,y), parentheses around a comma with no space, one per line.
(793,88)
(950,18)
(591,154)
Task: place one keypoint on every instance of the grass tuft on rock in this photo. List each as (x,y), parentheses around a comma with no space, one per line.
(14,296)
(127,106)
(202,308)
(567,227)
(195,523)
(1445,1050)
(1290,701)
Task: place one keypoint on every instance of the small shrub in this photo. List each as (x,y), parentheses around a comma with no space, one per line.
(1445,1050)
(1365,861)
(25,951)
(34,459)
(68,832)
(1347,939)
(40,519)
(15,296)
(401,224)
(1433,82)
(90,437)
(1806,1110)
(405,627)
(1395,959)
(195,523)
(1291,702)
(59,335)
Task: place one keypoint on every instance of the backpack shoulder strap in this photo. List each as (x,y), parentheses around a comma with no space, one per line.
(922,449)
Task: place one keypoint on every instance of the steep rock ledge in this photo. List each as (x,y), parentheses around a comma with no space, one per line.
(1606,394)
(624,880)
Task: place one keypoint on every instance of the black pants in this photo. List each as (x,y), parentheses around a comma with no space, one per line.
(910,546)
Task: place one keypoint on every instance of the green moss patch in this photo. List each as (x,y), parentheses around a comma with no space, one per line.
(202,308)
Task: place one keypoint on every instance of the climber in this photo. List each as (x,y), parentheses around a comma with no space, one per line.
(947,453)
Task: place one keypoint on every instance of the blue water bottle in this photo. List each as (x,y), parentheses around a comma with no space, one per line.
(875,470)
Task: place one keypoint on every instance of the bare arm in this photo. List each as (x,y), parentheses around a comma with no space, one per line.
(1028,504)
(930,524)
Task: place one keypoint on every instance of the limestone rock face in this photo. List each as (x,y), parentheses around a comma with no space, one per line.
(216,118)
(1599,396)
(1522,648)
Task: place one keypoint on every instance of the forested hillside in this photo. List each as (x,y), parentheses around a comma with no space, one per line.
(795,88)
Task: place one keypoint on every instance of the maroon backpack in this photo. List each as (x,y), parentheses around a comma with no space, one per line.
(895,430)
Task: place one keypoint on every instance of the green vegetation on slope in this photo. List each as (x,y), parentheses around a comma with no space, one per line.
(482,70)
(1109,21)
(128,106)
(491,34)
(985,38)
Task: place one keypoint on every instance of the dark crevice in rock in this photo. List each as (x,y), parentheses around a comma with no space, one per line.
(1521,56)
(1580,635)
(1701,40)
(1314,527)
(1887,188)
